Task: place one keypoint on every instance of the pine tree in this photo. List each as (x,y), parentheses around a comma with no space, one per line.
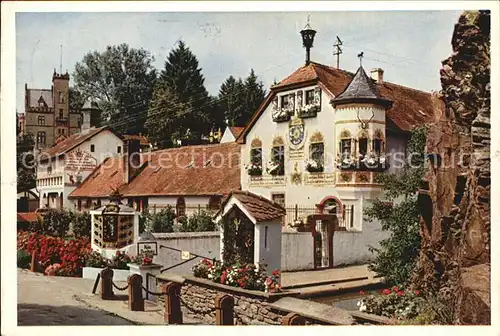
(232,100)
(183,79)
(255,94)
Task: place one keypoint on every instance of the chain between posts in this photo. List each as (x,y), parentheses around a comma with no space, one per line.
(152,293)
(119,288)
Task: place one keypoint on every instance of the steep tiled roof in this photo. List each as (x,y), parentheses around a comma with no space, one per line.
(361,88)
(27,216)
(410,107)
(143,140)
(190,170)
(35,94)
(236,130)
(70,143)
(262,209)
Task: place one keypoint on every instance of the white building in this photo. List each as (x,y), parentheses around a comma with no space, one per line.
(62,167)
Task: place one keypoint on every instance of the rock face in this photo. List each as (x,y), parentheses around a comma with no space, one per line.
(454,261)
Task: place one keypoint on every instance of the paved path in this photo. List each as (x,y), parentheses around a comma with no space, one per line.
(340,274)
(44,300)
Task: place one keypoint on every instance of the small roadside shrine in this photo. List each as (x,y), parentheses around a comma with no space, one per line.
(115,227)
(251,230)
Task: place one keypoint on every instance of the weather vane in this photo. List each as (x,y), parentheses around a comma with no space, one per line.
(360,55)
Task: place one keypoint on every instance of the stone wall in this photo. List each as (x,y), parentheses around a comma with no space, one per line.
(250,307)
(454,261)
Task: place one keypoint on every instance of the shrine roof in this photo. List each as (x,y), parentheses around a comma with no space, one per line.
(261,208)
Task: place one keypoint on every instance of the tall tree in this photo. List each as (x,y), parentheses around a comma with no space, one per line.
(231,101)
(194,112)
(25,162)
(399,215)
(76,99)
(254,95)
(121,79)
(239,99)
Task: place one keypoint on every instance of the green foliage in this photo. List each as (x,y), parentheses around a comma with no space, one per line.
(82,224)
(162,221)
(180,107)
(25,162)
(399,215)
(23,259)
(54,222)
(76,99)
(121,80)
(396,303)
(96,260)
(197,222)
(239,99)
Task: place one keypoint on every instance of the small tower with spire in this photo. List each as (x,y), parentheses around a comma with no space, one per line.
(308,39)
(360,117)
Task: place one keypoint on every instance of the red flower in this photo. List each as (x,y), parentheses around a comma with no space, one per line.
(362,292)
(386,291)
(276,272)
(395,289)
(417,292)
(401,293)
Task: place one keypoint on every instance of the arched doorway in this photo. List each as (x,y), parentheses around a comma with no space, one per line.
(333,206)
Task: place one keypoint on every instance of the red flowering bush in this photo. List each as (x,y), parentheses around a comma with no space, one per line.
(394,303)
(120,261)
(69,254)
(243,276)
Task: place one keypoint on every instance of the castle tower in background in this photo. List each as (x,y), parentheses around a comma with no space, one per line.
(47,113)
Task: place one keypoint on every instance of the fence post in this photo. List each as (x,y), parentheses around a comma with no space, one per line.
(34,261)
(135,299)
(293,319)
(224,305)
(173,313)
(107,284)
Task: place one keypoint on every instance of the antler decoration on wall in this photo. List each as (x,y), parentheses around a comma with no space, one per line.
(364,124)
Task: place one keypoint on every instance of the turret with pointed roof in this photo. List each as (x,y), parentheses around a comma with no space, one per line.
(361,89)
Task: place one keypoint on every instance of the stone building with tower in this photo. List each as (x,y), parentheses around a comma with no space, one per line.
(47,112)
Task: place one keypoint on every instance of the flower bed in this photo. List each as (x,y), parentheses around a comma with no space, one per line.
(243,276)
(56,256)
(393,303)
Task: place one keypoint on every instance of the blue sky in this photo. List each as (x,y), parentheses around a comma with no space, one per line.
(408,45)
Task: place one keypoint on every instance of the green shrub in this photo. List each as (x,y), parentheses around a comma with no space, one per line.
(55,222)
(197,222)
(23,259)
(399,215)
(95,259)
(162,221)
(120,261)
(82,224)
(394,303)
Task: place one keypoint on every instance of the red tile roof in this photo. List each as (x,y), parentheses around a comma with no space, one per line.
(142,139)
(27,216)
(410,108)
(261,208)
(236,130)
(69,143)
(190,170)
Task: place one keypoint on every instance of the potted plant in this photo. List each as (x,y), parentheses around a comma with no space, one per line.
(314,166)
(95,262)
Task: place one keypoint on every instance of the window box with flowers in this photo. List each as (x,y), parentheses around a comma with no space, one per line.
(314,166)
(281,115)
(275,168)
(373,162)
(254,169)
(308,111)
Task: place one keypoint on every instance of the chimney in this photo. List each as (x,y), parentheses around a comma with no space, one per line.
(131,159)
(378,75)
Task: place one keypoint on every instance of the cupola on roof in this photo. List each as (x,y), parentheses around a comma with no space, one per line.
(361,89)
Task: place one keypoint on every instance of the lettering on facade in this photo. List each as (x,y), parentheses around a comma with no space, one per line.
(266,181)
(80,160)
(320,179)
